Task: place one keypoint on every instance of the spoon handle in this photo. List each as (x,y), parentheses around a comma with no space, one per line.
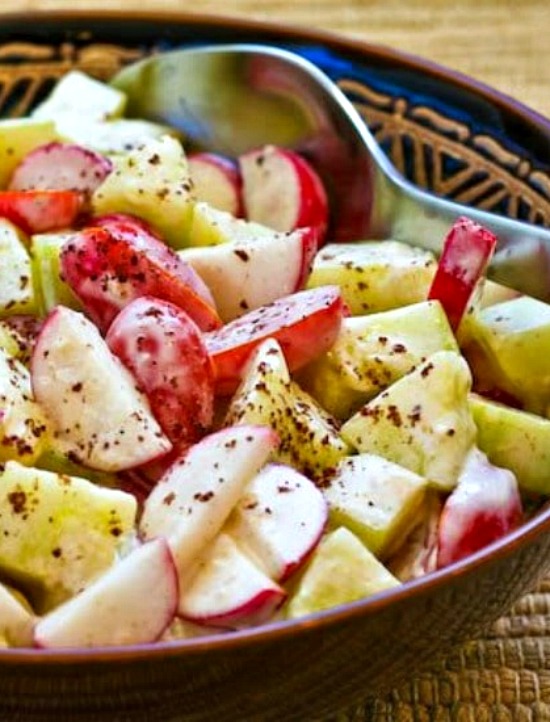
(404,212)
(522,257)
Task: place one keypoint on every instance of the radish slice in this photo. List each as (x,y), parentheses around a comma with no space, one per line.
(61,166)
(305,324)
(99,418)
(193,500)
(279,520)
(249,273)
(217,181)
(228,590)
(133,603)
(110,266)
(466,254)
(484,506)
(283,191)
(40,211)
(164,350)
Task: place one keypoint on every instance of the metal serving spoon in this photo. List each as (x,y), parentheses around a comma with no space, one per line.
(232,98)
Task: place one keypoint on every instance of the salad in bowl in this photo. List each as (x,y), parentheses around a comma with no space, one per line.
(212,416)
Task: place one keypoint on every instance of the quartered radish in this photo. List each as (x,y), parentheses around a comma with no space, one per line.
(467,250)
(217,181)
(279,520)
(229,591)
(249,273)
(305,324)
(61,166)
(39,211)
(164,350)
(132,603)
(192,501)
(99,416)
(283,191)
(483,507)
(109,266)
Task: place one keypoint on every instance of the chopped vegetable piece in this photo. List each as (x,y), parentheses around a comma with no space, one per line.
(466,254)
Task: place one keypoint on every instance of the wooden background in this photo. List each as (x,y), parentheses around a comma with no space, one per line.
(505,43)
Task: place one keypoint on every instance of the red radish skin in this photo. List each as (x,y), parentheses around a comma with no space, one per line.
(484,506)
(61,166)
(133,602)
(256,611)
(132,482)
(228,590)
(280,519)
(140,480)
(467,250)
(153,471)
(283,191)
(41,211)
(98,415)
(247,274)
(138,224)
(165,351)
(305,324)
(139,235)
(192,501)
(314,210)
(108,267)
(217,181)
(310,246)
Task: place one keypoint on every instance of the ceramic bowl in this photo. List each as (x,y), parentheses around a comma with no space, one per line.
(443,131)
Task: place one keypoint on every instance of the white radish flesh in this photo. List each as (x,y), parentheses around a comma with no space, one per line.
(61,166)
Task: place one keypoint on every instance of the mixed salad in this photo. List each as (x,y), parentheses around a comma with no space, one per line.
(210,415)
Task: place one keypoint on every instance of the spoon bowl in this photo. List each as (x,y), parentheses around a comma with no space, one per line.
(232,98)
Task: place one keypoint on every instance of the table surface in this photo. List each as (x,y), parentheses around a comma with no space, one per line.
(506,676)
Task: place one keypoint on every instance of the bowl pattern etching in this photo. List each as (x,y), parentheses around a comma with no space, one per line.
(444,134)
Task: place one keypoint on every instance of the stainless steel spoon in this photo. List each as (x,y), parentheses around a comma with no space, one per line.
(232,98)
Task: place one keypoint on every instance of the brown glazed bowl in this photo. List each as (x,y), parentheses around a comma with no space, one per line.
(443,131)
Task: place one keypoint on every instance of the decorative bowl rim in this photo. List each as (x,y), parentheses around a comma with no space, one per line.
(289,31)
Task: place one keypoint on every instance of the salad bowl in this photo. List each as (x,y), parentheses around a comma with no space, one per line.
(449,134)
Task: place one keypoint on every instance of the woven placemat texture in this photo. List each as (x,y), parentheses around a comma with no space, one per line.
(503,677)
